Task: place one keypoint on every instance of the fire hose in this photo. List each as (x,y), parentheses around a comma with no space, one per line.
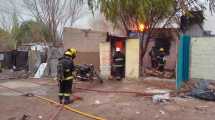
(145,94)
(108,91)
(54,102)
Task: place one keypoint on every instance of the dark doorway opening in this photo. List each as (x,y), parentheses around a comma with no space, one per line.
(117,43)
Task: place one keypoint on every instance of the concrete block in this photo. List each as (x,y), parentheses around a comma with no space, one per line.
(132,64)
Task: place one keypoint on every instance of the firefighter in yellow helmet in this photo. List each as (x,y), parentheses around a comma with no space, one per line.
(65,77)
(161,49)
(119,64)
(73,51)
(161,59)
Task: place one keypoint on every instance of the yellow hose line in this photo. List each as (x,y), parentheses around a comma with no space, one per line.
(71,109)
(65,106)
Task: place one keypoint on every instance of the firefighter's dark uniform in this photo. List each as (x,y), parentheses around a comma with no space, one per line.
(118,64)
(161,61)
(153,55)
(65,84)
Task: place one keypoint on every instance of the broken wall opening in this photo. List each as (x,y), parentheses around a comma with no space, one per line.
(165,40)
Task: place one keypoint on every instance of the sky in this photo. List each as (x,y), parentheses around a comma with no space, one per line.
(86,19)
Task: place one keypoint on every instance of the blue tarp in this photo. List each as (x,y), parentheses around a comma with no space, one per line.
(203,91)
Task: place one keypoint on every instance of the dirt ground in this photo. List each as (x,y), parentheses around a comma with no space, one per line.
(110,106)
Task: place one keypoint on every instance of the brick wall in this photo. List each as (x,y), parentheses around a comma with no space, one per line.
(203,58)
(83,40)
(86,42)
(88,58)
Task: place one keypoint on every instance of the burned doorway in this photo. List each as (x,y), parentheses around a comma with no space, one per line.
(161,54)
(117,43)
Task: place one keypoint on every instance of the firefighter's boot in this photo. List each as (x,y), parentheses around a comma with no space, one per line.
(67,100)
(60,99)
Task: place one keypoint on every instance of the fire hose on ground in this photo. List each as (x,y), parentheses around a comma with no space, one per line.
(54,102)
(109,91)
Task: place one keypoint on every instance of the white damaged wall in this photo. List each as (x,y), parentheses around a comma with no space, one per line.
(203,58)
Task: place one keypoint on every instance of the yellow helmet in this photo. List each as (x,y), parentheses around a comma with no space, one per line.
(68,53)
(73,51)
(161,49)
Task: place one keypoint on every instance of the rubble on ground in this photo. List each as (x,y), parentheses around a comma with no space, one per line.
(154,72)
(111,106)
(161,98)
(11,74)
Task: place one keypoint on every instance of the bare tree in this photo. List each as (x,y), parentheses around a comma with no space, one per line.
(211,5)
(10,19)
(8,9)
(55,14)
(4,22)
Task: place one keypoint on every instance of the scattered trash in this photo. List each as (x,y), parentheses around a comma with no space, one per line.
(157,91)
(40,70)
(77,98)
(162,112)
(40,117)
(25,117)
(29,95)
(137,112)
(161,98)
(97,102)
(201,108)
(153,72)
(76,105)
(203,90)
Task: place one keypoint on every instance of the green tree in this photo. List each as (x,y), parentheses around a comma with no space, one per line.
(3,34)
(10,33)
(14,31)
(132,13)
(211,5)
(4,39)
